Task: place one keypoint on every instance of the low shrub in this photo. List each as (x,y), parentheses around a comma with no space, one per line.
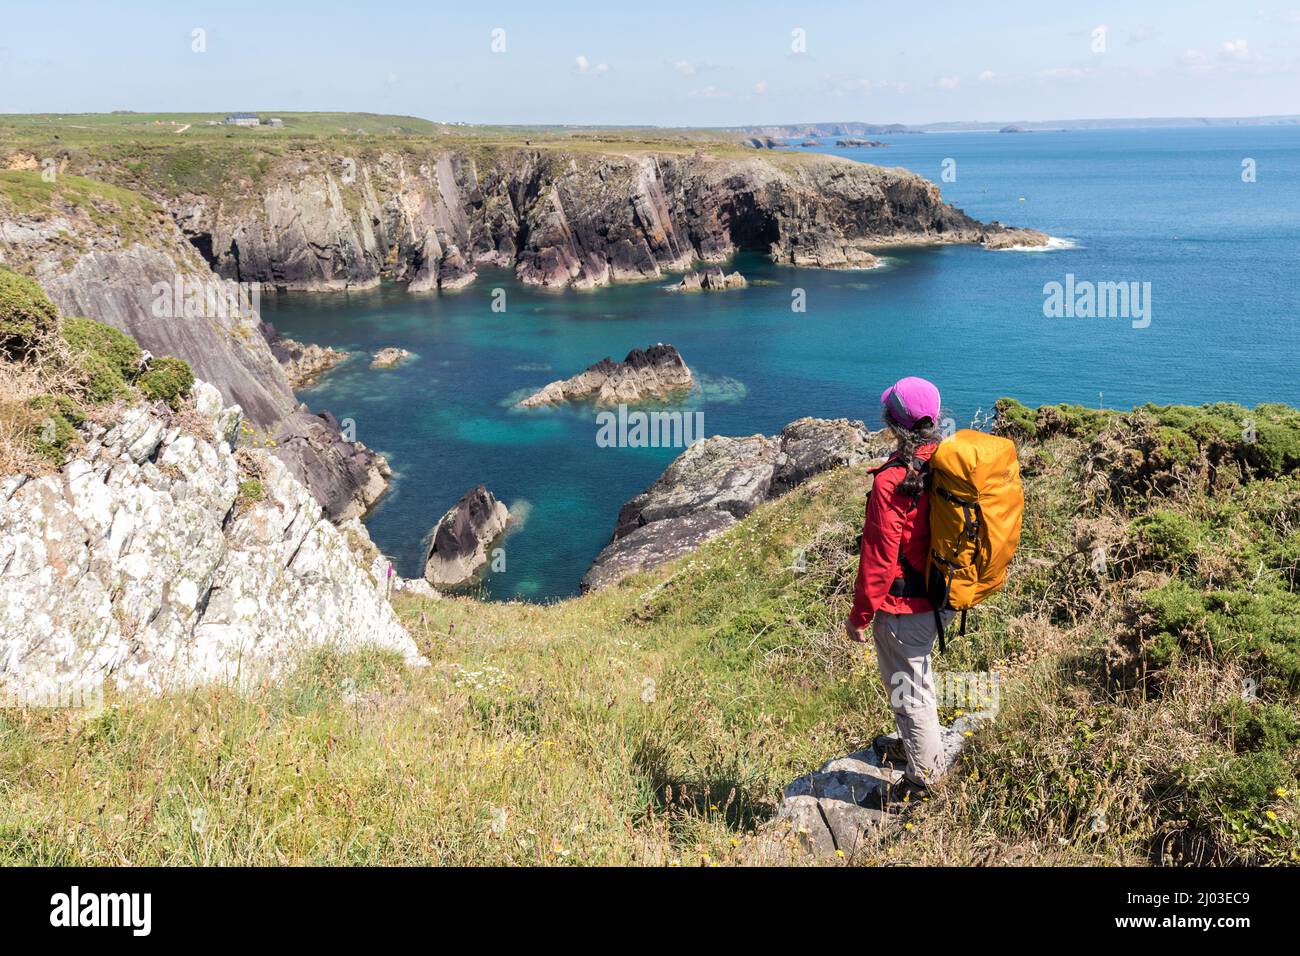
(1017,421)
(113,345)
(27,316)
(52,426)
(167,379)
(1257,627)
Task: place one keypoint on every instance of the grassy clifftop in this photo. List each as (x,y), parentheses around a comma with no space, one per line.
(165,154)
(1146,645)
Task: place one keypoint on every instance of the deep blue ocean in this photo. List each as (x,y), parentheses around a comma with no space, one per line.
(1167,206)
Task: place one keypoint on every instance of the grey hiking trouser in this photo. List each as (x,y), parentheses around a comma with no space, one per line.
(903,643)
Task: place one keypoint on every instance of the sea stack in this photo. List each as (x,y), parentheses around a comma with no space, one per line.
(645,375)
(709,280)
(388,357)
(458,544)
(302,363)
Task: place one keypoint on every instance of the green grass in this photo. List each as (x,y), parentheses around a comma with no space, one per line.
(655,722)
(171,154)
(111,208)
(56,371)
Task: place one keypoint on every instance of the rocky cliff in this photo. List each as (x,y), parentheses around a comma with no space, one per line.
(159,558)
(559,218)
(716,482)
(114,255)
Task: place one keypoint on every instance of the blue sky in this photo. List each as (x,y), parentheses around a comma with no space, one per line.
(705,63)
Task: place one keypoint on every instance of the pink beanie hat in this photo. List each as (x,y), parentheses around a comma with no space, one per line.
(909,400)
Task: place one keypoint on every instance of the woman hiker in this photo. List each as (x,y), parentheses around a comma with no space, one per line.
(890,593)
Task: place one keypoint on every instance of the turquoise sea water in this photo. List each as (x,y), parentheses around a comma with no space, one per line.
(1167,207)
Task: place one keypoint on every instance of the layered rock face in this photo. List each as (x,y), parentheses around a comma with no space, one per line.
(155,560)
(645,375)
(430,217)
(146,287)
(716,482)
(458,544)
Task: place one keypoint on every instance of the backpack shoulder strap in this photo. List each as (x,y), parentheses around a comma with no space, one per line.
(893,461)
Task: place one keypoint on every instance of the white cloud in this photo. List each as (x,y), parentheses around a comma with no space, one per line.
(1284,16)
(868,86)
(585,66)
(760,87)
(948,82)
(987,76)
(709,93)
(684,67)
(390,77)
(1065,73)
(1235,49)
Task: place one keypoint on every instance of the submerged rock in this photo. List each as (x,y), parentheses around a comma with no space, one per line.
(709,280)
(719,480)
(646,374)
(388,357)
(458,544)
(157,559)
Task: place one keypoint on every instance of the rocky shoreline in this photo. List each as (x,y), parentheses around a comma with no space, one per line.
(428,216)
(116,278)
(559,219)
(716,482)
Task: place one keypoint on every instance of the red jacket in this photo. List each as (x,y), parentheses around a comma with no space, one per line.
(891,521)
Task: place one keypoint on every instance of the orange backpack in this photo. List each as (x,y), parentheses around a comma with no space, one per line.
(976,504)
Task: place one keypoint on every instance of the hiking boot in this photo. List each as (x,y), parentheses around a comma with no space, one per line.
(890,750)
(906,793)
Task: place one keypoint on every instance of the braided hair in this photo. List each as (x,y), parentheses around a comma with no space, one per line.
(910,440)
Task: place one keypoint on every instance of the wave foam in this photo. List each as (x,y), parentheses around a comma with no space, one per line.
(1054,243)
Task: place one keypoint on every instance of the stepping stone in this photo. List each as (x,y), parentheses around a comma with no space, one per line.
(849,823)
(807,825)
(860,763)
(843,785)
(835,807)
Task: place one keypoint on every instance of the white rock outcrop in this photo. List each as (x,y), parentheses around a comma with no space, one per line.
(141,565)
